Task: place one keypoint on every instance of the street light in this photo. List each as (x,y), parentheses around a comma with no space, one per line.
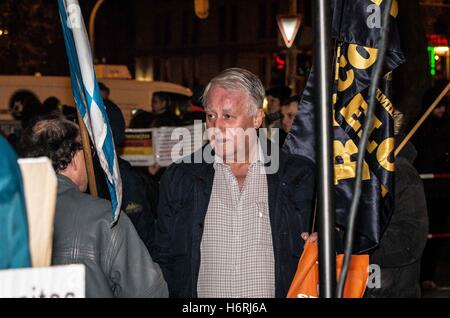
(92,25)
(201,8)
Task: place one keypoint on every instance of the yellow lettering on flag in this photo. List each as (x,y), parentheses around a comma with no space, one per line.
(345,84)
(394,7)
(383,152)
(357,60)
(385,102)
(346,169)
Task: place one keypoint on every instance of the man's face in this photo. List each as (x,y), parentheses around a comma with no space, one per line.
(81,173)
(158,105)
(105,94)
(273,104)
(439,111)
(288,113)
(228,120)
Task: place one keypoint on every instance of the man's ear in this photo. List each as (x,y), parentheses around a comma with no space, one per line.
(71,167)
(74,164)
(258,119)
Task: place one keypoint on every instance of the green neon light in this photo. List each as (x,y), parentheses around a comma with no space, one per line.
(432,57)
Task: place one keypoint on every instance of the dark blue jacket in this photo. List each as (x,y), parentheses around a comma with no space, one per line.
(185,191)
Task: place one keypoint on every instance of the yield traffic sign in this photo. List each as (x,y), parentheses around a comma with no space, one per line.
(289,25)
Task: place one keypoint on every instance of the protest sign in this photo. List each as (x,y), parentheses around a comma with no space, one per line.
(40,187)
(137,148)
(44,282)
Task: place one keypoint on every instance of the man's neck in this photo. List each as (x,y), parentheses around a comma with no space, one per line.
(240,171)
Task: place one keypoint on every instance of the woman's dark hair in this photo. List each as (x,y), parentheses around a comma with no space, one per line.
(24,104)
(166,97)
(55,138)
(51,105)
(291,99)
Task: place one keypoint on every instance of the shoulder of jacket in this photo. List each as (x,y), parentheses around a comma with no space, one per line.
(95,207)
(294,162)
(406,174)
(185,169)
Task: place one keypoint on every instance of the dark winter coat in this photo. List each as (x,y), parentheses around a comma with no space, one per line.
(402,244)
(185,191)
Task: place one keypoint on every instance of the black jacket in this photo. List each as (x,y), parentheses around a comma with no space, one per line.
(139,200)
(403,242)
(433,145)
(185,191)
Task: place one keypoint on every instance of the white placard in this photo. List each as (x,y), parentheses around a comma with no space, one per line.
(137,148)
(43,282)
(40,185)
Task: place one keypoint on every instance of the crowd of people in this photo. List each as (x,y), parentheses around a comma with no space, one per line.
(213,229)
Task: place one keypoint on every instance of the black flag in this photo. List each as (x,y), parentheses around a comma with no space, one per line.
(356,30)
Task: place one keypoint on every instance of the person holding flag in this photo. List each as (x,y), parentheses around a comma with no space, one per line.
(88,98)
(364,49)
(356,50)
(400,250)
(117,261)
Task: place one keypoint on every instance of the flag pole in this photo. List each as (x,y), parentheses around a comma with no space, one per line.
(87,156)
(325,177)
(422,119)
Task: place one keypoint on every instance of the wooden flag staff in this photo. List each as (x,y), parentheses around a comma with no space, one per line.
(87,156)
(422,119)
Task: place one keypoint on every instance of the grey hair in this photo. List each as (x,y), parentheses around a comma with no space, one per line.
(239,79)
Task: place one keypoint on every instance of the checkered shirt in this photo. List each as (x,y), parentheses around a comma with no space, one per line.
(237,258)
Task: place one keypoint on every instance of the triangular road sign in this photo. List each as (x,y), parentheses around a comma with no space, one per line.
(289,25)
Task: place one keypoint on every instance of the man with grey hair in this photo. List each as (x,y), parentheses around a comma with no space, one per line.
(229,228)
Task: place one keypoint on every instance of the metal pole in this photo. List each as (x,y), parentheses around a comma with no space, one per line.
(87,156)
(325,184)
(291,68)
(92,25)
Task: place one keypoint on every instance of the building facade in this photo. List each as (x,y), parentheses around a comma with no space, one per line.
(173,44)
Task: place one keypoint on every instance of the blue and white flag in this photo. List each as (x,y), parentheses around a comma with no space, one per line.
(88,98)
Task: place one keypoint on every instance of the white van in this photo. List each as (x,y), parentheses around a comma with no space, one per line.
(127,94)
